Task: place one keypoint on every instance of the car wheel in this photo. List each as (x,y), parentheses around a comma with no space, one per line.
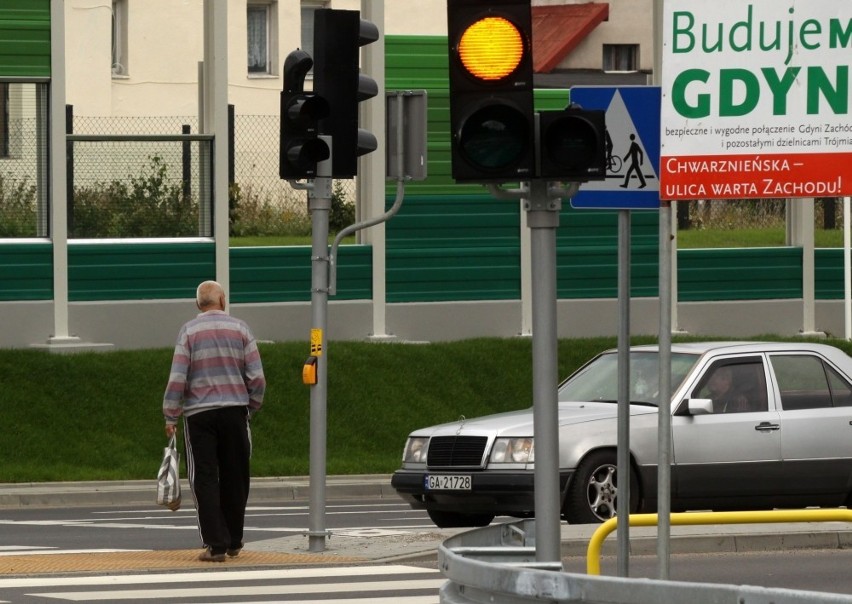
(457,520)
(594,490)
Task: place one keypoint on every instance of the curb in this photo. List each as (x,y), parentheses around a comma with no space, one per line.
(143,492)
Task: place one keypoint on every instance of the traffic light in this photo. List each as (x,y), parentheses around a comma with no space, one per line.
(572,145)
(491,90)
(338,36)
(301,111)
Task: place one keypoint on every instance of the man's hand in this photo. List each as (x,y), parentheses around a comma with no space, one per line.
(170,430)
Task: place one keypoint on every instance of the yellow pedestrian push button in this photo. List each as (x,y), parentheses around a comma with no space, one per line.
(309,371)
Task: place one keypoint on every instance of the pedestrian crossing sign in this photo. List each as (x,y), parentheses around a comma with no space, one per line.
(633,147)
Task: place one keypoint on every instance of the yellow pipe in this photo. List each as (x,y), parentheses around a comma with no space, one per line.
(593,555)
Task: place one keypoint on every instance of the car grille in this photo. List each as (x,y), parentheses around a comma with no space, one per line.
(456,451)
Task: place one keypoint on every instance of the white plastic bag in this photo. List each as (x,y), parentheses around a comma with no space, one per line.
(168,479)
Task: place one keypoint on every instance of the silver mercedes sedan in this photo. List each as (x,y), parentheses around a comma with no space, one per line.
(755,425)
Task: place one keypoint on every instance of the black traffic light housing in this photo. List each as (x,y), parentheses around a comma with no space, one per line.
(572,144)
(491,90)
(338,36)
(300,147)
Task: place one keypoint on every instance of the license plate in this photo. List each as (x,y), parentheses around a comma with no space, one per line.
(448,482)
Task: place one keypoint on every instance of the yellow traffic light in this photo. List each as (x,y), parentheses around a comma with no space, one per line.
(491,90)
(491,48)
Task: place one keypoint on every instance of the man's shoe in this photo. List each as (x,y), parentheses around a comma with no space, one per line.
(208,556)
(233,552)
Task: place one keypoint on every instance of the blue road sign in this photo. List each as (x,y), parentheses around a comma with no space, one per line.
(633,155)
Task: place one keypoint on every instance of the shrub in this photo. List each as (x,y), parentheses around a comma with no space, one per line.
(150,206)
(342,212)
(18,208)
(258,216)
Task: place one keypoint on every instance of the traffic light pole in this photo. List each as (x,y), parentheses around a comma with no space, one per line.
(543,204)
(319,205)
(309,122)
(543,220)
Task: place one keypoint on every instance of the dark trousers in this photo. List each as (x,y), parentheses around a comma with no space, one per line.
(218,449)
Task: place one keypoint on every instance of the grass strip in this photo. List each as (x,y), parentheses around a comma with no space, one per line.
(97,416)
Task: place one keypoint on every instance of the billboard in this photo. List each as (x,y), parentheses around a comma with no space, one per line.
(756,99)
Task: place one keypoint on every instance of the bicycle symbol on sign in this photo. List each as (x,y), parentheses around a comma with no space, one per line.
(613,162)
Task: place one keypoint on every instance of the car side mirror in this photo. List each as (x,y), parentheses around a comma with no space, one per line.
(700,406)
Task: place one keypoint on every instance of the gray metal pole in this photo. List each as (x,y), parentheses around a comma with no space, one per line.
(319,204)
(623,455)
(664,423)
(543,220)
(664,450)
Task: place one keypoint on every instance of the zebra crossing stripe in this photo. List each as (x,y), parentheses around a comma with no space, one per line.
(290,589)
(211,577)
(389,599)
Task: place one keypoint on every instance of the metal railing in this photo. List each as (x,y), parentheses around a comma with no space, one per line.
(496,565)
(132,186)
(593,555)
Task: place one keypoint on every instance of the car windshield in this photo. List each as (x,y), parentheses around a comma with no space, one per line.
(598,380)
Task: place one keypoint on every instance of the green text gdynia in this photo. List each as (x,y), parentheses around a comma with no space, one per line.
(775,36)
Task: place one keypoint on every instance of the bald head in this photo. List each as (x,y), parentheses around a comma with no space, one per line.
(210,296)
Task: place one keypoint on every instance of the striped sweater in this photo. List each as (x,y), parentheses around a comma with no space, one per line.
(216,364)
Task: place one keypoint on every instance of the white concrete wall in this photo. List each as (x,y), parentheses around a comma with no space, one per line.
(154,323)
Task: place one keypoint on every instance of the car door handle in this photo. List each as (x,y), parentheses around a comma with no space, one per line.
(767,427)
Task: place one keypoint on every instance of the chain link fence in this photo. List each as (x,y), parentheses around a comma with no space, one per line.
(260,203)
(753,213)
(159,188)
(263,204)
(752,223)
(147,177)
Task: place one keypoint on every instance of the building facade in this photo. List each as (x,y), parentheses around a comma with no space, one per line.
(140,58)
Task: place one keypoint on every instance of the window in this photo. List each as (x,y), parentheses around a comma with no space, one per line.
(24,208)
(262,36)
(257,22)
(620,57)
(598,381)
(119,37)
(806,382)
(735,386)
(4,119)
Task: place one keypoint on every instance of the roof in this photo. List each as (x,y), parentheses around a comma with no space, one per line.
(746,346)
(558,29)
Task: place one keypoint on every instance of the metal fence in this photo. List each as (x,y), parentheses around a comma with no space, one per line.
(260,203)
(110,177)
(145,176)
(139,186)
(725,214)
(496,565)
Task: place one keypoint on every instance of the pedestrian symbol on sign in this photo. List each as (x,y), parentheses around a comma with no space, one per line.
(637,158)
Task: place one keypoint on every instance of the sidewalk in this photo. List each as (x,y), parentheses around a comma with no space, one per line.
(142,492)
(356,546)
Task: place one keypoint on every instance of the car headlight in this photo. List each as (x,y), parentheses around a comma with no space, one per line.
(513,450)
(415,449)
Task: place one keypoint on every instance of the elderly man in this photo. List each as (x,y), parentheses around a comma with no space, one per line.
(217,383)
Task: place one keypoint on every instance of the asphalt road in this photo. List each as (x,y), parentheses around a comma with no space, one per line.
(809,569)
(153,528)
